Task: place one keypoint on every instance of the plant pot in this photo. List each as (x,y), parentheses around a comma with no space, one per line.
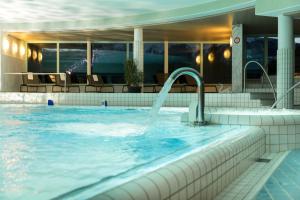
(134,89)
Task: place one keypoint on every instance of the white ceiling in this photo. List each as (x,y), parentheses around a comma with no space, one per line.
(32,11)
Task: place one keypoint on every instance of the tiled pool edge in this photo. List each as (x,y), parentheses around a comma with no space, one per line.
(282,131)
(201,175)
(129,99)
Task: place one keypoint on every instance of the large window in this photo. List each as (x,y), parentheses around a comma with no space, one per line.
(217,63)
(183,55)
(255,51)
(272,55)
(72,59)
(153,61)
(108,61)
(42,59)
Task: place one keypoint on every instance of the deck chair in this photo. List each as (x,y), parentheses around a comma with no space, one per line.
(31,80)
(60,83)
(162,78)
(190,83)
(97,82)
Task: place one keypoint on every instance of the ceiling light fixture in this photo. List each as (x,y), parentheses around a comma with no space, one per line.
(15,48)
(34,54)
(22,50)
(40,57)
(227,54)
(5,44)
(198,60)
(211,57)
(28,53)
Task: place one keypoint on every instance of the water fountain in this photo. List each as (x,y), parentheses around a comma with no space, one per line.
(199,109)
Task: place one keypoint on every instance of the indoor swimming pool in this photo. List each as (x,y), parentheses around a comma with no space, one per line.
(77,152)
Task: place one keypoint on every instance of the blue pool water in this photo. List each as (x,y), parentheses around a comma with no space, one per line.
(76,152)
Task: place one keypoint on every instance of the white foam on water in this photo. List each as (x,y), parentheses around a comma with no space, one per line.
(100,129)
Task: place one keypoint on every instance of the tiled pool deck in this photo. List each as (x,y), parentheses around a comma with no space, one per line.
(284,184)
(278,179)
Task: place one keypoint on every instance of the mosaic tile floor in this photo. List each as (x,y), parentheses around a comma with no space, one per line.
(250,182)
(284,184)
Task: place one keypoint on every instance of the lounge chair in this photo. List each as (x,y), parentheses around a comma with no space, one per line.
(211,88)
(31,80)
(190,83)
(62,81)
(162,78)
(97,82)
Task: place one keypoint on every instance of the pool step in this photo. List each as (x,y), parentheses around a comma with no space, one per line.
(266,98)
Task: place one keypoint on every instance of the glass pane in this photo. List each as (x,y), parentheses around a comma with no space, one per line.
(130,51)
(254,51)
(217,63)
(153,61)
(297,55)
(108,61)
(272,55)
(72,59)
(183,55)
(42,59)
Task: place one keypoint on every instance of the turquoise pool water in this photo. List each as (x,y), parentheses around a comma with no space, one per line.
(284,183)
(77,152)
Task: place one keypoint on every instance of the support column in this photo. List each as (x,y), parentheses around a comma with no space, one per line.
(1,70)
(89,58)
(237,58)
(138,49)
(166,57)
(285,60)
(57,58)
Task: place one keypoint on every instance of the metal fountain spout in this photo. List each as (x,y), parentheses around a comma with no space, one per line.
(168,85)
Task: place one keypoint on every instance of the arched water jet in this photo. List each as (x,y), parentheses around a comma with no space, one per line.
(168,85)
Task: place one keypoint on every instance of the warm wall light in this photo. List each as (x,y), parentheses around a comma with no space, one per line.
(22,50)
(5,44)
(34,54)
(15,48)
(198,60)
(40,56)
(211,57)
(230,41)
(28,53)
(227,54)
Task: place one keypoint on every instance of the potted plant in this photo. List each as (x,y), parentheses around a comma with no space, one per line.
(133,77)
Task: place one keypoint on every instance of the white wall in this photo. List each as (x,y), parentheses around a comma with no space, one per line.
(13,60)
(11,83)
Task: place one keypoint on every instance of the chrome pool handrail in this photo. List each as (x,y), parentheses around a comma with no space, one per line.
(200,90)
(262,68)
(284,95)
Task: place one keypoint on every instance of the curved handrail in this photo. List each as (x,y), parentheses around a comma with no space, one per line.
(168,84)
(253,61)
(286,93)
